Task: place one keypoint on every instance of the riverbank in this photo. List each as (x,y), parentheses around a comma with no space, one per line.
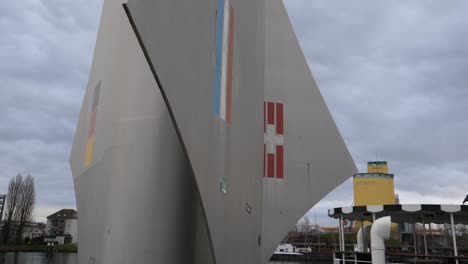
(38,248)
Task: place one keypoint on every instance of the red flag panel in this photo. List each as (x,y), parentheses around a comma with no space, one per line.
(271,113)
(271,165)
(279,119)
(279,162)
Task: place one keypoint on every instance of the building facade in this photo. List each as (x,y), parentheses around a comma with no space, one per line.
(2,205)
(62,227)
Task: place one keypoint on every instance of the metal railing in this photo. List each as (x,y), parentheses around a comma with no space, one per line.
(342,257)
(348,257)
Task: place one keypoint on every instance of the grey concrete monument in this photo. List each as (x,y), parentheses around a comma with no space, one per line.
(202,137)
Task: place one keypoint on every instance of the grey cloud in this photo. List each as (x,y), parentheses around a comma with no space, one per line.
(394,74)
(45,56)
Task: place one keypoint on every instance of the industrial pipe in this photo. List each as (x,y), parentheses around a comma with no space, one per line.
(363,236)
(380,232)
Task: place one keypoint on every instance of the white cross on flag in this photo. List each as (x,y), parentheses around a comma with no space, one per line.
(273,149)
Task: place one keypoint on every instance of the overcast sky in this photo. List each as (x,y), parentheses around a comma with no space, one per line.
(393,73)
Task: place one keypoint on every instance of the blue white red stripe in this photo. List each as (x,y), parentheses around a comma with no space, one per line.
(224,60)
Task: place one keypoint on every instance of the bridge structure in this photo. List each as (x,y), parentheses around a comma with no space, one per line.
(202,137)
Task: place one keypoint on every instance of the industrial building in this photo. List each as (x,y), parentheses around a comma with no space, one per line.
(375,187)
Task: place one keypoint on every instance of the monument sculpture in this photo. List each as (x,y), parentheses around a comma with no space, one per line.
(202,136)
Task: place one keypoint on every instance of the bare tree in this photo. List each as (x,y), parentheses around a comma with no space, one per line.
(347,225)
(306,224)
(26,201)
(12,199)
(447,229)
(460,229)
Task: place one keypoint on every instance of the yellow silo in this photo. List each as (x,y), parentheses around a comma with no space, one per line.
(377,167)
(376,187)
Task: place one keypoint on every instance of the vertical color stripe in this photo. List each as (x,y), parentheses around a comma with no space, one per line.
(279,162)
(89,151)
(279,118)
(97,91)
(92,124)
(230,65)
(271,113)
(271,165)
(224,61)
(219,47)
(93,106)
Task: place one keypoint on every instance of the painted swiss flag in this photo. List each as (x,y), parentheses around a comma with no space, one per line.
(273,148)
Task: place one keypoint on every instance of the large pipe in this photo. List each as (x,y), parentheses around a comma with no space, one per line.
(342,239)
(424,235)
(415,240)
(380,232)
(362,237)
(455,249)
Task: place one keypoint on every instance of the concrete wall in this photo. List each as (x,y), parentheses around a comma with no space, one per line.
(160,152)
(138,169)
(180,38)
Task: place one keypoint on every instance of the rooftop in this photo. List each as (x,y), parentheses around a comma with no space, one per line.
(64,214)
(373,175)
(377,163)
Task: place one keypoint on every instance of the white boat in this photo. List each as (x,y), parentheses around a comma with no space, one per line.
(286,249)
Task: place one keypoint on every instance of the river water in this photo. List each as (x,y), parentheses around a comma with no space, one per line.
(71,258)
(303,262)
(37,258)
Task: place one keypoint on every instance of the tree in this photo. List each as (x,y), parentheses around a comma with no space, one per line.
(460,230)
(20,201)
(12,198)
(347,225)
(25,207)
